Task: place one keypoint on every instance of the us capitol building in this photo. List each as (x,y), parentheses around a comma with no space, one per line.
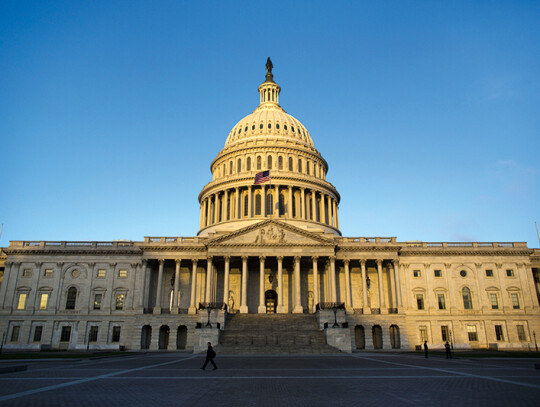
(268,270)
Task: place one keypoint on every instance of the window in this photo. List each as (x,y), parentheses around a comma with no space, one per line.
(248,164)
(280,162)
(299,164)
(438,273)
(420,301)
(239,164)
(93,334)
(423,333)
(230,167)
(252,127)
(97,301)
(515,300)
(277,126)
(260,126)
(471,331)
(269,125)
(246,205)
(499,332)
(307,167)
(281,205)
(65,335)
(258,204)
(445,333)
(494,301)
(101,273)
(417,273)
(27,273)
(467,300)
(440,298)
(521,333)
(71,298)
(489,273)
(21,303)
(38,331)
(270,204)
(463,273)
(120,301)
(15,333)
(116,334)
(290,162)
(269,160)
(509,273)
(43,300)
(48,273)
(259,163)
(122,273)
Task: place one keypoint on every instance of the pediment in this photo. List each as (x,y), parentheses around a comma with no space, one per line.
(271,233)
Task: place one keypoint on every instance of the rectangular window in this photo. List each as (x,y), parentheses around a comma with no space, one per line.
(15,333)
(21,303)
(27,273)
(471,331)
(423,333)
(442,303)
(489,273)
(494,301)
(122,273)
(93,334)
(420,301)
(116,334)
(38,331)
(509,273)
(97,301)
(417,273)
(120,301)
(521,333)
(66,334)
(515,300)
(499,332)
(43,300)
(445,333)
(48,273)
(101,273)
(438,273)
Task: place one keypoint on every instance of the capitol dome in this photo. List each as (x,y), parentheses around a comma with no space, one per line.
(269,139)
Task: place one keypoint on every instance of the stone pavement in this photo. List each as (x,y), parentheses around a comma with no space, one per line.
(358,379)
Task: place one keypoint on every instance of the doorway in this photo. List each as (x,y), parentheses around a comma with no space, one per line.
(164,337)
(146,337)
(271,301)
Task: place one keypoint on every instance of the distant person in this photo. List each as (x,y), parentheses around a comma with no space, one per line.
(425,348)
(210,355)
(448,351)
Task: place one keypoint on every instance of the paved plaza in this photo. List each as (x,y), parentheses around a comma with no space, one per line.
(359,379)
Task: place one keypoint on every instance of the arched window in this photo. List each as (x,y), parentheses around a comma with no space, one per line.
(259,162)
(248,164)
(359,337)
(395,340)
(376,333)
(269,203)
(293,205)
(467,299)
(290,164)
(239,165)
(258,204)
(299,165)
(230,168)
(281,204)
(246,205)
(280,162)
(307,167)
(71,298)
(269,162)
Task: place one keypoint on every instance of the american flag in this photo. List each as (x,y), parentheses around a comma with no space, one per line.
(262,177)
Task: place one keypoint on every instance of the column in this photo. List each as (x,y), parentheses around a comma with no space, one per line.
(348,302)
(392,278)
(275,202)
(303,204)
(398,285)
(313,205)
(337,217)
(201,220)
(208,279)
(382,301)
(364,288)
(321,209)
(262,306)
(226,282)
(334,211)
(175,304)
(329,200)
(297,300)
(280,308)
(238,209)
(333,278)
(192,307)
(226,206)
(250,200)
(315,283)
(243,299)
(216,208)
(157,308)
(290,206)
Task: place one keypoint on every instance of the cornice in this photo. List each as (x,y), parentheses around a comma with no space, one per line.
(465,252)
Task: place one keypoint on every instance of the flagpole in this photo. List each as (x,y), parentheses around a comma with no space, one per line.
(270,185)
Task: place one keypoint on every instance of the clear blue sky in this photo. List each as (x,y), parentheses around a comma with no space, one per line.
(427,112)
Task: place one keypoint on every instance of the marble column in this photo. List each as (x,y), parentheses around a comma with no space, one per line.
(337,217)
(290,204)
(329,200)
(333,278)
(216,208)
(313,206)
(334,212)
(157,308)
(225,217)
(382,300)
(192,307)
(297,292)
(142,301)
(303,204)
(243,299)
(398,284)
(392,278)
(262,306)
(322,218)
(250,200)
(226,282)
(280,308)
(175,304)
(315,283)
(365,306)
(238,206)
(348,302)
(208,279)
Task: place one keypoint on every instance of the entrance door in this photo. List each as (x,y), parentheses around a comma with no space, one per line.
(271,301)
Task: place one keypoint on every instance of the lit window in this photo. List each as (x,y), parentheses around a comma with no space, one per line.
(43,300)
(65,335)
(71,298)
(438,273)
(445,333)
(101,273)
(97,301)
(440,298)
(420,301)
(467,299)
(93,334)
(515,300)
(471,331)
(423,333)
(48,273)
(521,333)
(417,273)
(122,273)
(116,334)
(120,301)
(15,333)
(509,273)
(21,303)
(38,331)
(489,273)
(499,332)
(494,301)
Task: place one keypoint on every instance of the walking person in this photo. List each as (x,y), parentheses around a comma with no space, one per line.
(210,355)
(425,348)
(448,351)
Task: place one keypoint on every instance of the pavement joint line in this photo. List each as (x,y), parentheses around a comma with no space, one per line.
(496,379)
(88,379)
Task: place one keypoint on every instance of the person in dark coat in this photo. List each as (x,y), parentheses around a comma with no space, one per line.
(448,351)
(425,348)
(210,355)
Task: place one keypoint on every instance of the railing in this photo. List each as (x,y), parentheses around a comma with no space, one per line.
(375,310)
(170,239)
(330,305)
(465,244)
(71,244)
(212,305)
(369,239)
(392,310)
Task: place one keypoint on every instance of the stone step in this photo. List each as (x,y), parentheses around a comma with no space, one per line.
(274,350)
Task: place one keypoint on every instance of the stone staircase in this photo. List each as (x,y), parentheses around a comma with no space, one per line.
(272,334)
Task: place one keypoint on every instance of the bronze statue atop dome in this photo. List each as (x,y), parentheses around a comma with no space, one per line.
(269,66)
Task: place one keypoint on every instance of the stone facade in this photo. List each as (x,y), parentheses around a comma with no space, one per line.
(269,247)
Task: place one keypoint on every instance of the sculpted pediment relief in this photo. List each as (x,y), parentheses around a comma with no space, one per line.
(270,232)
